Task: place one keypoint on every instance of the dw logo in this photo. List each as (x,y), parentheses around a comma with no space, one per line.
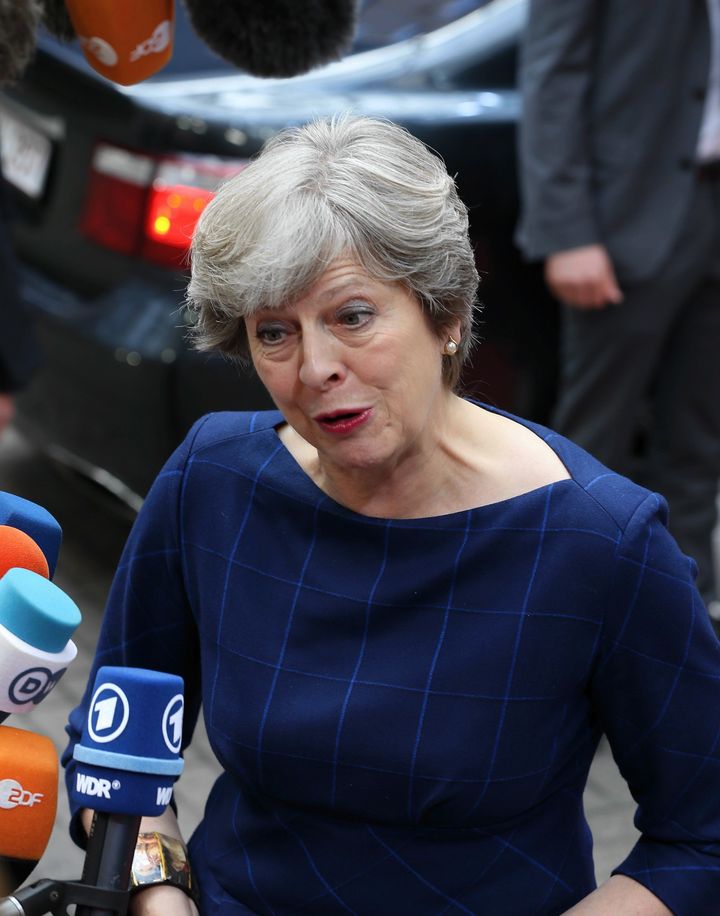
(109,713)
(33,685)
(172,723)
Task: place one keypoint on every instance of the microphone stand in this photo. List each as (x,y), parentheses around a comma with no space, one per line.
(50,896)
(104,887)
(108,862)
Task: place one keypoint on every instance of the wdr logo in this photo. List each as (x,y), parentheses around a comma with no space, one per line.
(91,785)
(109,713)
(164,794)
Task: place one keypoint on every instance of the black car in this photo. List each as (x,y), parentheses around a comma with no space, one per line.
(107,182)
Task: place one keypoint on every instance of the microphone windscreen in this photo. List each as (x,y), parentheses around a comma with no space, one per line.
(36,522)
(129,755)
(18,27)
(36,622)
(125,42)
(28,793)
(56,20)
(275,38)
(18,549)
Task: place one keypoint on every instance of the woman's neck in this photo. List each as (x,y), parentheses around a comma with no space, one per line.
(474,457)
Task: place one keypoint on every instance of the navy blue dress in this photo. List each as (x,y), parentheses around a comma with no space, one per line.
(406,710)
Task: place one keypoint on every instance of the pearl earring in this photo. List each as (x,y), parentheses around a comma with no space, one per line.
(450,348)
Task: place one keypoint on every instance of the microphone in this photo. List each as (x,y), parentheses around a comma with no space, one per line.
(18,26)
(28,801)
(18,549)
(125,42)
(275,39)
(34,521)
(125,766)
(37,620)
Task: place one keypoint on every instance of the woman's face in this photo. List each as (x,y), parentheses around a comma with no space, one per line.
(354,367)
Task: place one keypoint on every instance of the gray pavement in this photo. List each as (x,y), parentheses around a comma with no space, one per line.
(94,532)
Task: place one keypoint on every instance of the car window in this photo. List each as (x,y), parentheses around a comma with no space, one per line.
(380,23)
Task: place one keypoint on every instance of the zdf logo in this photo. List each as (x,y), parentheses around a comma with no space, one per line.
(13,795)
(109,713)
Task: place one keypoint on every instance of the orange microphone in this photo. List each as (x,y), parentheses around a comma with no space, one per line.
(124,40)
(28,802)
(18,549)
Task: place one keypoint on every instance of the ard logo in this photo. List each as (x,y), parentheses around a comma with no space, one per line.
(172,723)
(109,713)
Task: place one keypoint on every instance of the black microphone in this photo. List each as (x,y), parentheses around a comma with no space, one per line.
(125,766)
(275,38)
(18,27)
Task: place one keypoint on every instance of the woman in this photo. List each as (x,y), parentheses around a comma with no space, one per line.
(408,617)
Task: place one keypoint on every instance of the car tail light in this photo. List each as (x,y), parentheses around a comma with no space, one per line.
(147,206)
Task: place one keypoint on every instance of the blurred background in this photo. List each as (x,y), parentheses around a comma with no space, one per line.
(106,183)
(103,186)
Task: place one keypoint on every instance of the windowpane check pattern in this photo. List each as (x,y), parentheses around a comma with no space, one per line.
(406,710)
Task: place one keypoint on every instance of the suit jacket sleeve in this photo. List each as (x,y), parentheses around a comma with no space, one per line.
(656,688)
(554,157)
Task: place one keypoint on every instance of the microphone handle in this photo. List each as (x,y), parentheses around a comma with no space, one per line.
(109,857)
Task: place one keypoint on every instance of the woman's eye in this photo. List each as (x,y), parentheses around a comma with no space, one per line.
(356,317)
(270,335)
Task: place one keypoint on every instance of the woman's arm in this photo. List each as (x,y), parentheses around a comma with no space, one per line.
(620,896)
(656,694)
(157,900)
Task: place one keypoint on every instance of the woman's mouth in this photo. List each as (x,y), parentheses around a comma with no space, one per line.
(341,422)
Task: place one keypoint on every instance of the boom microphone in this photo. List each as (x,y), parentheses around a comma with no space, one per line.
(37,620)
(125,766)
(18,26)
(34,521)
(125,42)
(28,801)
(275,37)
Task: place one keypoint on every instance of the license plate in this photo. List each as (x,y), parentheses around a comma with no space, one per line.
(25,155)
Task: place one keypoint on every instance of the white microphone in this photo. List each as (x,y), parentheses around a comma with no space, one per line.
(37,620)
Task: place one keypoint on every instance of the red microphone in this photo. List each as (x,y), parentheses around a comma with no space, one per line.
(18,549)
(125,42)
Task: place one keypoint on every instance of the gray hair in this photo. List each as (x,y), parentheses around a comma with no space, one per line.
(349,186)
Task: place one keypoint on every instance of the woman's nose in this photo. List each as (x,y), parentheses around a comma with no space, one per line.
(321,364)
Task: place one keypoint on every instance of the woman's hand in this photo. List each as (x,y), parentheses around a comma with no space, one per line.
(157,899)
(161,900)
(620,896)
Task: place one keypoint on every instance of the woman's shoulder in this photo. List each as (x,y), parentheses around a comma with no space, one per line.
(215,430)
(618,497)
(216,437)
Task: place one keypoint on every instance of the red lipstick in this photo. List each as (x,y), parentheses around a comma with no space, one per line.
(342,422)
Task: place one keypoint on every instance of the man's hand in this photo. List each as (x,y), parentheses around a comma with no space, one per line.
(7,410)
(583,277)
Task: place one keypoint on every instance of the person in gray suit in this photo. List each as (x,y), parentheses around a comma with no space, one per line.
(620,179)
